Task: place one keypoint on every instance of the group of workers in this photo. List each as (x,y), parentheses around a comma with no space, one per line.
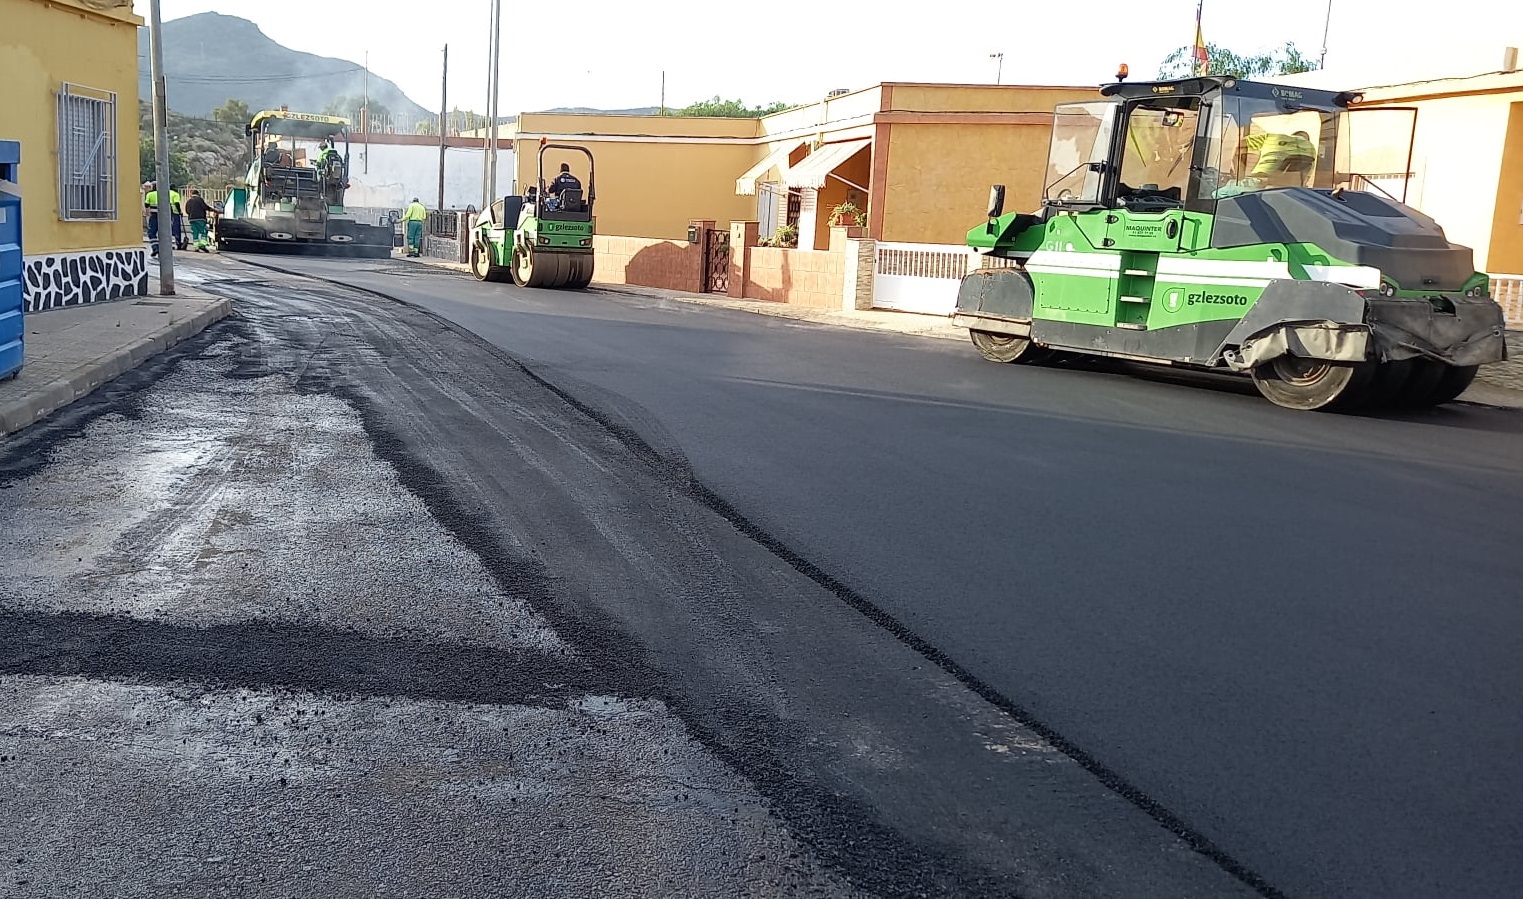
(195,209)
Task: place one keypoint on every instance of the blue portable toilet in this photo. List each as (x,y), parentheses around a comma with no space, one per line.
(12,328)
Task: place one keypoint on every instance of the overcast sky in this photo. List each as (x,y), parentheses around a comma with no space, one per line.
(797,50)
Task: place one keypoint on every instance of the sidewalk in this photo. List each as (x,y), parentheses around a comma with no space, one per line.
(71,352)
(862,319)
(1499,384)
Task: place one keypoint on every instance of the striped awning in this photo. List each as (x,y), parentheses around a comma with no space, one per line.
(818,165)
(745,185)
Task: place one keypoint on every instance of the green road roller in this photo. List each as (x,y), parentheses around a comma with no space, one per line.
(1219,224)
(542,238)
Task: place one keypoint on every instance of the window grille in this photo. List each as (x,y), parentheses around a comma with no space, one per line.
(87,154)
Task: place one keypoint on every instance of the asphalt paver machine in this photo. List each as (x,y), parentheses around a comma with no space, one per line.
(292,200)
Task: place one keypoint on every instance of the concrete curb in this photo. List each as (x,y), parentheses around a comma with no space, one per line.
(49,399)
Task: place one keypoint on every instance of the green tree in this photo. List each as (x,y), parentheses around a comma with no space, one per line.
(427,126)
(735,109)
(179,167)
(1287,60)
(349,106)
(233,112)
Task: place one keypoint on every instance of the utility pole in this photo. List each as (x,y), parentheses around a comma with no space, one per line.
(999,66)
(1327,28)
(496,92)
(443,111)
(663,92)
(165,212)
(488,185)
(365,113)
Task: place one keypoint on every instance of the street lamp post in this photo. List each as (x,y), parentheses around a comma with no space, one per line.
(162,187)
(1327,28)
(999,66)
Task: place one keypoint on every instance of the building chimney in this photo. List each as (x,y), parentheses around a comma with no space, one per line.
(1510,59)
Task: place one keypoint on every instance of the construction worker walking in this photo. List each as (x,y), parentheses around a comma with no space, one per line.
(196,209)
(413,218)
(151,205)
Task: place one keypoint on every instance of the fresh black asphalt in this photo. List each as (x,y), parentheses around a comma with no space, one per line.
(922,625)
(1298,633)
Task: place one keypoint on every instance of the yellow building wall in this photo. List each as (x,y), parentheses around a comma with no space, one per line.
(653,189)
(1505,255)
(1457,164)
(938,179)
(984,97)
(647,188)
(44,43)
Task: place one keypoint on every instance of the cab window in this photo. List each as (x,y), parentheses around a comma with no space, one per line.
(1156,154)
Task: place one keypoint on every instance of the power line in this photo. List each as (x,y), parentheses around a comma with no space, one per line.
(242,79)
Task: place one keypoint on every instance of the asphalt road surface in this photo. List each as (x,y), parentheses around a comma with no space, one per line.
(596,594)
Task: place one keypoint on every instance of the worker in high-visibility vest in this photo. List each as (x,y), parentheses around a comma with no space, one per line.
(1281,158)
(151,206)
(413,218)
(325,152)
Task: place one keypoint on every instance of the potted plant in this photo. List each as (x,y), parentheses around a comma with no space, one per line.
(787,236)
(848,215)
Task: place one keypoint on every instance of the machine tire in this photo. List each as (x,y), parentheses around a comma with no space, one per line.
(547,270)
(1007,348)
(1314,384)
(1390,386)
(581,272)
(521,268)
(482,266)
(1455,380)
(1423,380)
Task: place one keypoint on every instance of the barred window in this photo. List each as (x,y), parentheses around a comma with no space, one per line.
(86,154)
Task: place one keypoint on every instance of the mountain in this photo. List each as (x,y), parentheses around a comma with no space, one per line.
(210,58)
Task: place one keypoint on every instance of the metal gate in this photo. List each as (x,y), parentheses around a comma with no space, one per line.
(716,267)
(917,277)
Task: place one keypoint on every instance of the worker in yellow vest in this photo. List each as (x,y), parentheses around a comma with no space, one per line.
(151,206)
(413,218)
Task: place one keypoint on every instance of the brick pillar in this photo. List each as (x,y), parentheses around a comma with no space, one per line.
(743,236)
(861,264)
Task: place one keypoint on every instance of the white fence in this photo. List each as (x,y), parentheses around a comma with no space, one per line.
(920,277)
(1508,291)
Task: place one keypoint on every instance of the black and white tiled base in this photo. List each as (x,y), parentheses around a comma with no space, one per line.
(56,280)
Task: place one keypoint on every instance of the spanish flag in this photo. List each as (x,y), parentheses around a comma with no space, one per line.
(1202,60)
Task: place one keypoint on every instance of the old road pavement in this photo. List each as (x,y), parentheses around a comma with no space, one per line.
(397,584)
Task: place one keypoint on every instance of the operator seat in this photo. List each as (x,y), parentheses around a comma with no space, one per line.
(571,200)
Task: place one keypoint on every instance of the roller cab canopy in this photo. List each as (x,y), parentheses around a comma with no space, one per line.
(297,124)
